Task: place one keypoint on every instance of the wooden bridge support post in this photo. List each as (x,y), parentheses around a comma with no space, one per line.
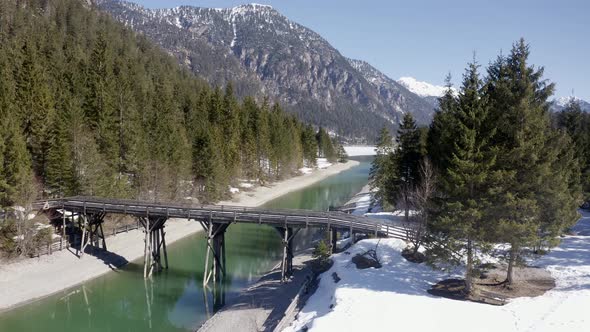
(63,228)
(146,248)
(287,236)
(215,267)
(92,231)
(83,242)
(334,239)
(155,243)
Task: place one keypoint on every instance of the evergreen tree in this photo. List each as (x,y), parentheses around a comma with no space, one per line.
(406,162)
(279,144)
(468,180)
(325,146)
(15,170)
(59,175)
(248,138)
(342,155)
(35,104)
(100,104)
(526,157)
(382,166)
(441,132)
(577,125)
(230,123)
(262,134)
(309,145)
(206,166)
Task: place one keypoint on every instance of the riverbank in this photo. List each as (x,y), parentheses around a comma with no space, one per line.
(28,280)
(368,299)
(259,308)
(263,194)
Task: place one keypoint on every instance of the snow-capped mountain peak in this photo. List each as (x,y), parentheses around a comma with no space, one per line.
(423,89)
(563,101)
(560,104)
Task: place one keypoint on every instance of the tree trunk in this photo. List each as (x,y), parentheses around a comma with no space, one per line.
(469,268)
(407,205)
(511,262)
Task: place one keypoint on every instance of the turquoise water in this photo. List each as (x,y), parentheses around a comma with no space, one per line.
(174,300)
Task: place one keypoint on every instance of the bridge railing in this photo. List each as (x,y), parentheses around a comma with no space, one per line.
(225,213)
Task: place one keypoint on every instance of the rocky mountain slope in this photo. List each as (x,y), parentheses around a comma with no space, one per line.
(263,53)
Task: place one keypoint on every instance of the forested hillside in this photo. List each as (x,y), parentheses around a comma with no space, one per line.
(262,50)
(87,107)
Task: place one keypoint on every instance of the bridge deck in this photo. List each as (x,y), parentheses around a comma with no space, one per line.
(229,214)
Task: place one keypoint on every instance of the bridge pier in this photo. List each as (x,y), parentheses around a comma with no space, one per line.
(333,239)
(155,245)
(287,235)
(92,231)
(215,257)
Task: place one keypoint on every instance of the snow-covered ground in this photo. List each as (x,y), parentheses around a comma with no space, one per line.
(395,298)
(323,163)
(359,150)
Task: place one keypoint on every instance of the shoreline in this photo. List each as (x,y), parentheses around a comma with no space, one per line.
(29,280)
(32,279)
(264,194)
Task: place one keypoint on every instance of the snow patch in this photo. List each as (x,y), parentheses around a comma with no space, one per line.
(423,89)
(305,170)
(323,163)
(246,185)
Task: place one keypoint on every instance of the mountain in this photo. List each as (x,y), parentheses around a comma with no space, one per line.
(431,93)
(422,89)
(560,103)
(394,93)
(262,52)
(427,91)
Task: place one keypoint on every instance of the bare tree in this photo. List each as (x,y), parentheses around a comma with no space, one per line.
(419,199)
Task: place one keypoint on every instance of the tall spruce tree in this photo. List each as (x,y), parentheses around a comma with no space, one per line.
(407,161)
(382,167)
(325,145)
(577,125)
(100,103)
(441,131)
(16,186)
(309,145)
(59,175)
(230,131)
(34,102)
(467,182)
(518,98)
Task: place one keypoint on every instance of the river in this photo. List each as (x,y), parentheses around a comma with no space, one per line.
(174,299)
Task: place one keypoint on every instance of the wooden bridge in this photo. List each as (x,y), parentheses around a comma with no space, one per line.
(215,219)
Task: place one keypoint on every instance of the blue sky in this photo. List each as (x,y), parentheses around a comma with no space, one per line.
(426,39)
